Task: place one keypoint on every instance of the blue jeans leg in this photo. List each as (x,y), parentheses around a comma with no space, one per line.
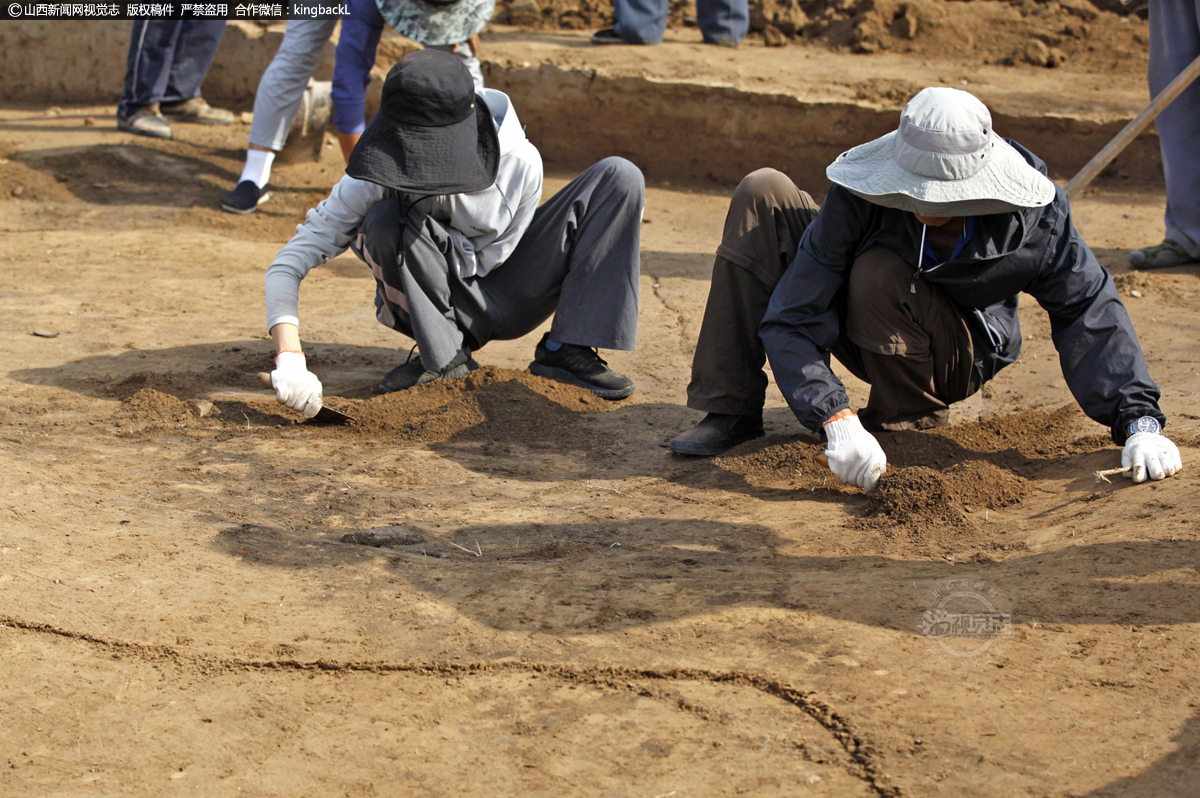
(721,18)
(640,21)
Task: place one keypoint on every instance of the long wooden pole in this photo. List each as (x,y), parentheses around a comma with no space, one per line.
(1131,131)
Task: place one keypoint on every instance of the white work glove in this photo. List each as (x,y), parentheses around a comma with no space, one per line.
(296,386)
(1149,452)
(855,457)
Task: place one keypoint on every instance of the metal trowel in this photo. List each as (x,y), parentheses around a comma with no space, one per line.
(326,415)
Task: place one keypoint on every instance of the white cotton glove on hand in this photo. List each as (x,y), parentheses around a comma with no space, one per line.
(855,457)
(296,386)
(1150,453)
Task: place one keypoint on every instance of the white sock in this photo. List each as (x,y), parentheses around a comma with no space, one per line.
(258,167)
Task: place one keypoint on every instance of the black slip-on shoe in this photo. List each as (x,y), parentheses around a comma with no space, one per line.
(412,372)
(245,198)
(582,366)
(607,36)
(718,432)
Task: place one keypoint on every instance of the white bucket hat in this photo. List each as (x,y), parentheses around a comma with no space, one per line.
(944,160)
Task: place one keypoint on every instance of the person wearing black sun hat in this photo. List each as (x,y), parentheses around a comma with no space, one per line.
(440,199)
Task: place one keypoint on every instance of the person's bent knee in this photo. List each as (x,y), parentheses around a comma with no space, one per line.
(878,284)
(623,174)
(766,184)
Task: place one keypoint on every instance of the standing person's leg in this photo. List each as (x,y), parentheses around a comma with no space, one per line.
(635,22)
(194,54)
(282,86)
(151,48)
(276,102)
(907,340)
(723,22)
(362,26)
(767,216)
(579,260)
(1175,43)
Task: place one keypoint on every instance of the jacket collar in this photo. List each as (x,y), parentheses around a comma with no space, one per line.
(508,127)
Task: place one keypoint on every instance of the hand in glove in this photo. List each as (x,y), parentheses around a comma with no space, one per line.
(1149,452)
(854,455)
(296,386)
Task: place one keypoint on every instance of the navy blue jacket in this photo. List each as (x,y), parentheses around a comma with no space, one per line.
(1036,250)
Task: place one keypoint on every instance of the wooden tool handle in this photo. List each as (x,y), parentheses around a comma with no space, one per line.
(1131,131)
(265,379)
(821,458)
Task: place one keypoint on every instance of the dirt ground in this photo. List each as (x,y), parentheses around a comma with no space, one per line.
(500,585)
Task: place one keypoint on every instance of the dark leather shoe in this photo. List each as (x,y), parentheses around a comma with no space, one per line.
(717,433)
(412,372)
(582,366)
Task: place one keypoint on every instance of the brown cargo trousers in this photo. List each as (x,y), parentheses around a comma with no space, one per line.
(914,348)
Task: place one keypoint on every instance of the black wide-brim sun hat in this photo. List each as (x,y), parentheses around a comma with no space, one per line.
(432,134)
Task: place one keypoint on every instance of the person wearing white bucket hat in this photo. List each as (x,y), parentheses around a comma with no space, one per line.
(909,275)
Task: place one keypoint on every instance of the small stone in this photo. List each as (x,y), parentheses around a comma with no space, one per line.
(89,121)
(385,537)
(203,407)
(773,37)
(45,333)
(18,191)
(54,110)
(1136,294)
(524,12)
(246,117)
(1036,53)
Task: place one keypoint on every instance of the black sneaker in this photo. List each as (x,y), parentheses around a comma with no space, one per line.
(607,36)
(244,198)
(582,366)
(717,433)
(412,372)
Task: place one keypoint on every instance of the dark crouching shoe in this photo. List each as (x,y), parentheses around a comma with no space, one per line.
(582,366)
(412,372)
(717,433)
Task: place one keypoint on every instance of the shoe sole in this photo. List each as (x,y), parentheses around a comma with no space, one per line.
(188,120)
(700,450)
(561,375)
(233,209)
(170,133)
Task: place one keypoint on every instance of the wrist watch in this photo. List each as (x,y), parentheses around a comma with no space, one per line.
(1145,424)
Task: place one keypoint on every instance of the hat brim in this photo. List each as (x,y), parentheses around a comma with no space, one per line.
(436,24)
(454,159)
(1006,183)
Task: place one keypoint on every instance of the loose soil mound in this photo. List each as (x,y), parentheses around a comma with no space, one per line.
(1043,34)
(151,409)
(921,497)
(486,405)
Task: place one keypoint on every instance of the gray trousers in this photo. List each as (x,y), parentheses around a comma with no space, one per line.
(282,85)
(914,348)
(1175,43)
(579,256)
